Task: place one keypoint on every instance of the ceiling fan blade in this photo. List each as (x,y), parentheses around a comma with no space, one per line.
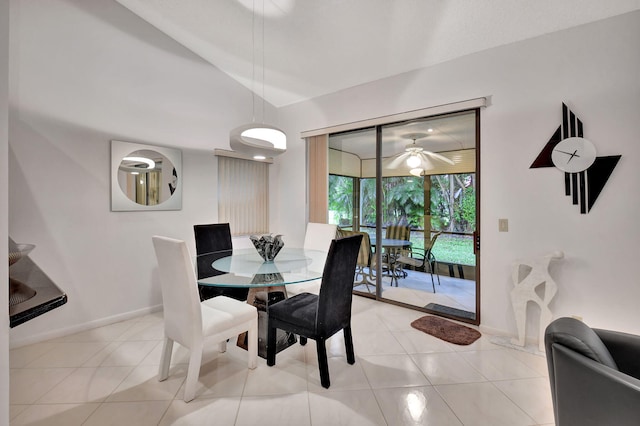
(426,162)
(439,157)
(394,162)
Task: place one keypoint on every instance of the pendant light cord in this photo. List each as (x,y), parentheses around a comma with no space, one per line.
(253,60)
(263,64)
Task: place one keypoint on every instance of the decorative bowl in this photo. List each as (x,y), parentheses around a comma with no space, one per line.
(267,246)
(19,251)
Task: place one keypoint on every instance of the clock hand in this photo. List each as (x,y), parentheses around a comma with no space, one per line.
(573,155)
(569,153)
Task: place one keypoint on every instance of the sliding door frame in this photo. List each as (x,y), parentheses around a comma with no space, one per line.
(474,105)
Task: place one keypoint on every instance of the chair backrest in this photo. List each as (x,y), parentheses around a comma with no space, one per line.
(578,337)
(432,242)
(319,236)
(334,303)
(364,254)
(398,232)
(211,240)
(180,299)
(212,237)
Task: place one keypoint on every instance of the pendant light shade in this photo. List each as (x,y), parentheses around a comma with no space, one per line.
(258,139)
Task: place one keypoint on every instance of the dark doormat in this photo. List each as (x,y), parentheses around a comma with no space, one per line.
(446,330)
(460,313)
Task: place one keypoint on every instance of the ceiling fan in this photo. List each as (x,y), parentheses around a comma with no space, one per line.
(417,158)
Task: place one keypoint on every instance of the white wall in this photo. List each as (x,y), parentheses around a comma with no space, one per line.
(595,69)
(89,72)
(4,181)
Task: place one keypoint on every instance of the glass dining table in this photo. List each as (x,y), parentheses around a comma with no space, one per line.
(266,281)
(245,268)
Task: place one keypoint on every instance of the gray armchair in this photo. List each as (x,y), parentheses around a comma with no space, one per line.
(594,374)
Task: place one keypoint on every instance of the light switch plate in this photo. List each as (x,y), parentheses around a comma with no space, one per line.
(503,225)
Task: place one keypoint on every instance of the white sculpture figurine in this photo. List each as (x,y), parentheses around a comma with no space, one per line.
(524,291)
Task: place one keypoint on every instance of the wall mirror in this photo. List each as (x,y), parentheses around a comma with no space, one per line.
(145,177)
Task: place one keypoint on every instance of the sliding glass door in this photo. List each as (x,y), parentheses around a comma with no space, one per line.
(412,187)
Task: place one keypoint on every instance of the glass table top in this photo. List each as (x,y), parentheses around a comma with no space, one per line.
(245,268)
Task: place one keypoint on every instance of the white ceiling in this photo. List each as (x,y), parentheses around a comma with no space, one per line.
(318,47)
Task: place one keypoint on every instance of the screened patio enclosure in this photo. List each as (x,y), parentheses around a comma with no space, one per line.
(426,173)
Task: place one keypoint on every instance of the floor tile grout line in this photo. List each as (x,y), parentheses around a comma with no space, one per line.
(510,399)
(513,402)
(447,404)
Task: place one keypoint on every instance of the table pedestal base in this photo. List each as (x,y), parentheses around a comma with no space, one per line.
(261,298)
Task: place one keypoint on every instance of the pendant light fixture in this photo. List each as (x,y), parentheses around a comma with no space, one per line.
(258,140)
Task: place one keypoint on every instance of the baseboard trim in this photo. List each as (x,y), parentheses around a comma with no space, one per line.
(61,332)
(529,340)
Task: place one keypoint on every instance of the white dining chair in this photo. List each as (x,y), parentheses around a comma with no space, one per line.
(317,237)
(189,321)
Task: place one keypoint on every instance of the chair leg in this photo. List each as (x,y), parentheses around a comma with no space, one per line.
(433,266)
(252,344)
(303,340)
(323,364)
(392,273)
(165,359)
(271,345)
(433,284)
(195,360)
(430,263)
(348,343)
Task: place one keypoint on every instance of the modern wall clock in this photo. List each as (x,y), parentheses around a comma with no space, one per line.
(585,173)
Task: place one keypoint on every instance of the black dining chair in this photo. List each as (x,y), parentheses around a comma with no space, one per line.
(319,317)
(212,241)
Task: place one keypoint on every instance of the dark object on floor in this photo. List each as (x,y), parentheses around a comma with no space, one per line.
(211,240)
(594,374)
(319,317)
(446,330)
(460,313)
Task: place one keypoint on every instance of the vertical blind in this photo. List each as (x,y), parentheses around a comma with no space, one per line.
(318,148)
(243,195)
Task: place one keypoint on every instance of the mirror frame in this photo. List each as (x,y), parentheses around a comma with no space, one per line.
(119,201)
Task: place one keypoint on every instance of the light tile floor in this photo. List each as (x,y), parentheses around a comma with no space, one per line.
(107,376)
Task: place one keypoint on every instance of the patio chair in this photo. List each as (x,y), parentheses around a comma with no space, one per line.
(366,260)
(422,258)
(396,232)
